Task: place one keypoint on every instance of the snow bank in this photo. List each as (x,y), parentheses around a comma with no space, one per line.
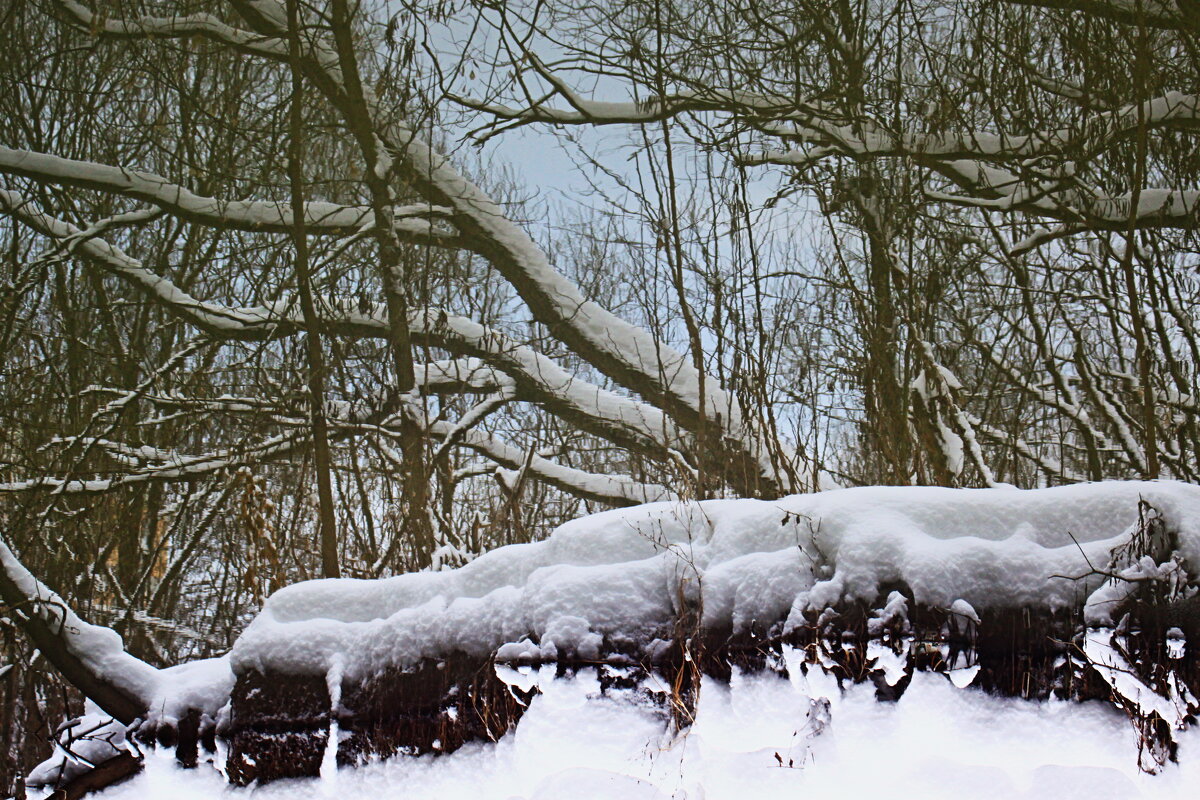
(624,577)
(575,742)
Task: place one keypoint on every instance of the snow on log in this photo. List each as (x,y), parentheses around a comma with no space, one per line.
(747,562)
(986,585)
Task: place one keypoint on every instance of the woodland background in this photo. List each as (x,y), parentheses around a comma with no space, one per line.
(844,241)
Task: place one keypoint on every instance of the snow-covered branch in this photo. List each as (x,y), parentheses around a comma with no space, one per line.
(626,353)
(538,378)
(456,212)
(865,138)
(417,223)
(587,111)
(618,490)
(91,657)
(993,172)
(173,467)
(199,24)
(936,387)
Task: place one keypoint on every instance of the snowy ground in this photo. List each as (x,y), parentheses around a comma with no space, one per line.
(621,577)
(573,744)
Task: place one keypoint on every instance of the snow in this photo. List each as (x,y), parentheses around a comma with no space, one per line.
(760,736)
(90,739)
(203,685)
(623,577)
(961,608)
(333,683)
(243,214)
(894,612)
(1103,649)
(1176,643)
(614,489)
(524,650)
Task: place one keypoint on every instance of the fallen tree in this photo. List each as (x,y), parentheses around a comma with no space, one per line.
(1083,592)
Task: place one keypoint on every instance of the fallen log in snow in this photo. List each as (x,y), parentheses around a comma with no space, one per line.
(1083,592)
(991,587)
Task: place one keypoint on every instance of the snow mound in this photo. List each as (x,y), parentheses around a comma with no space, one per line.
(577,742)
(623,578)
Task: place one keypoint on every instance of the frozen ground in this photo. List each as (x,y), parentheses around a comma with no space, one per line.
(937,741)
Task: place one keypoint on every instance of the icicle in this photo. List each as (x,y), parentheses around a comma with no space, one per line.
(333,682)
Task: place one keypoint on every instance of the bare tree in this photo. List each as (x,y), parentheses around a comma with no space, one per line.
(1047,147)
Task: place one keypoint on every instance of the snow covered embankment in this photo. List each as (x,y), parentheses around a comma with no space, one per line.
(924,574)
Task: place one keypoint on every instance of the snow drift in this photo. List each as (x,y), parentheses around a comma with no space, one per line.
(621,579)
